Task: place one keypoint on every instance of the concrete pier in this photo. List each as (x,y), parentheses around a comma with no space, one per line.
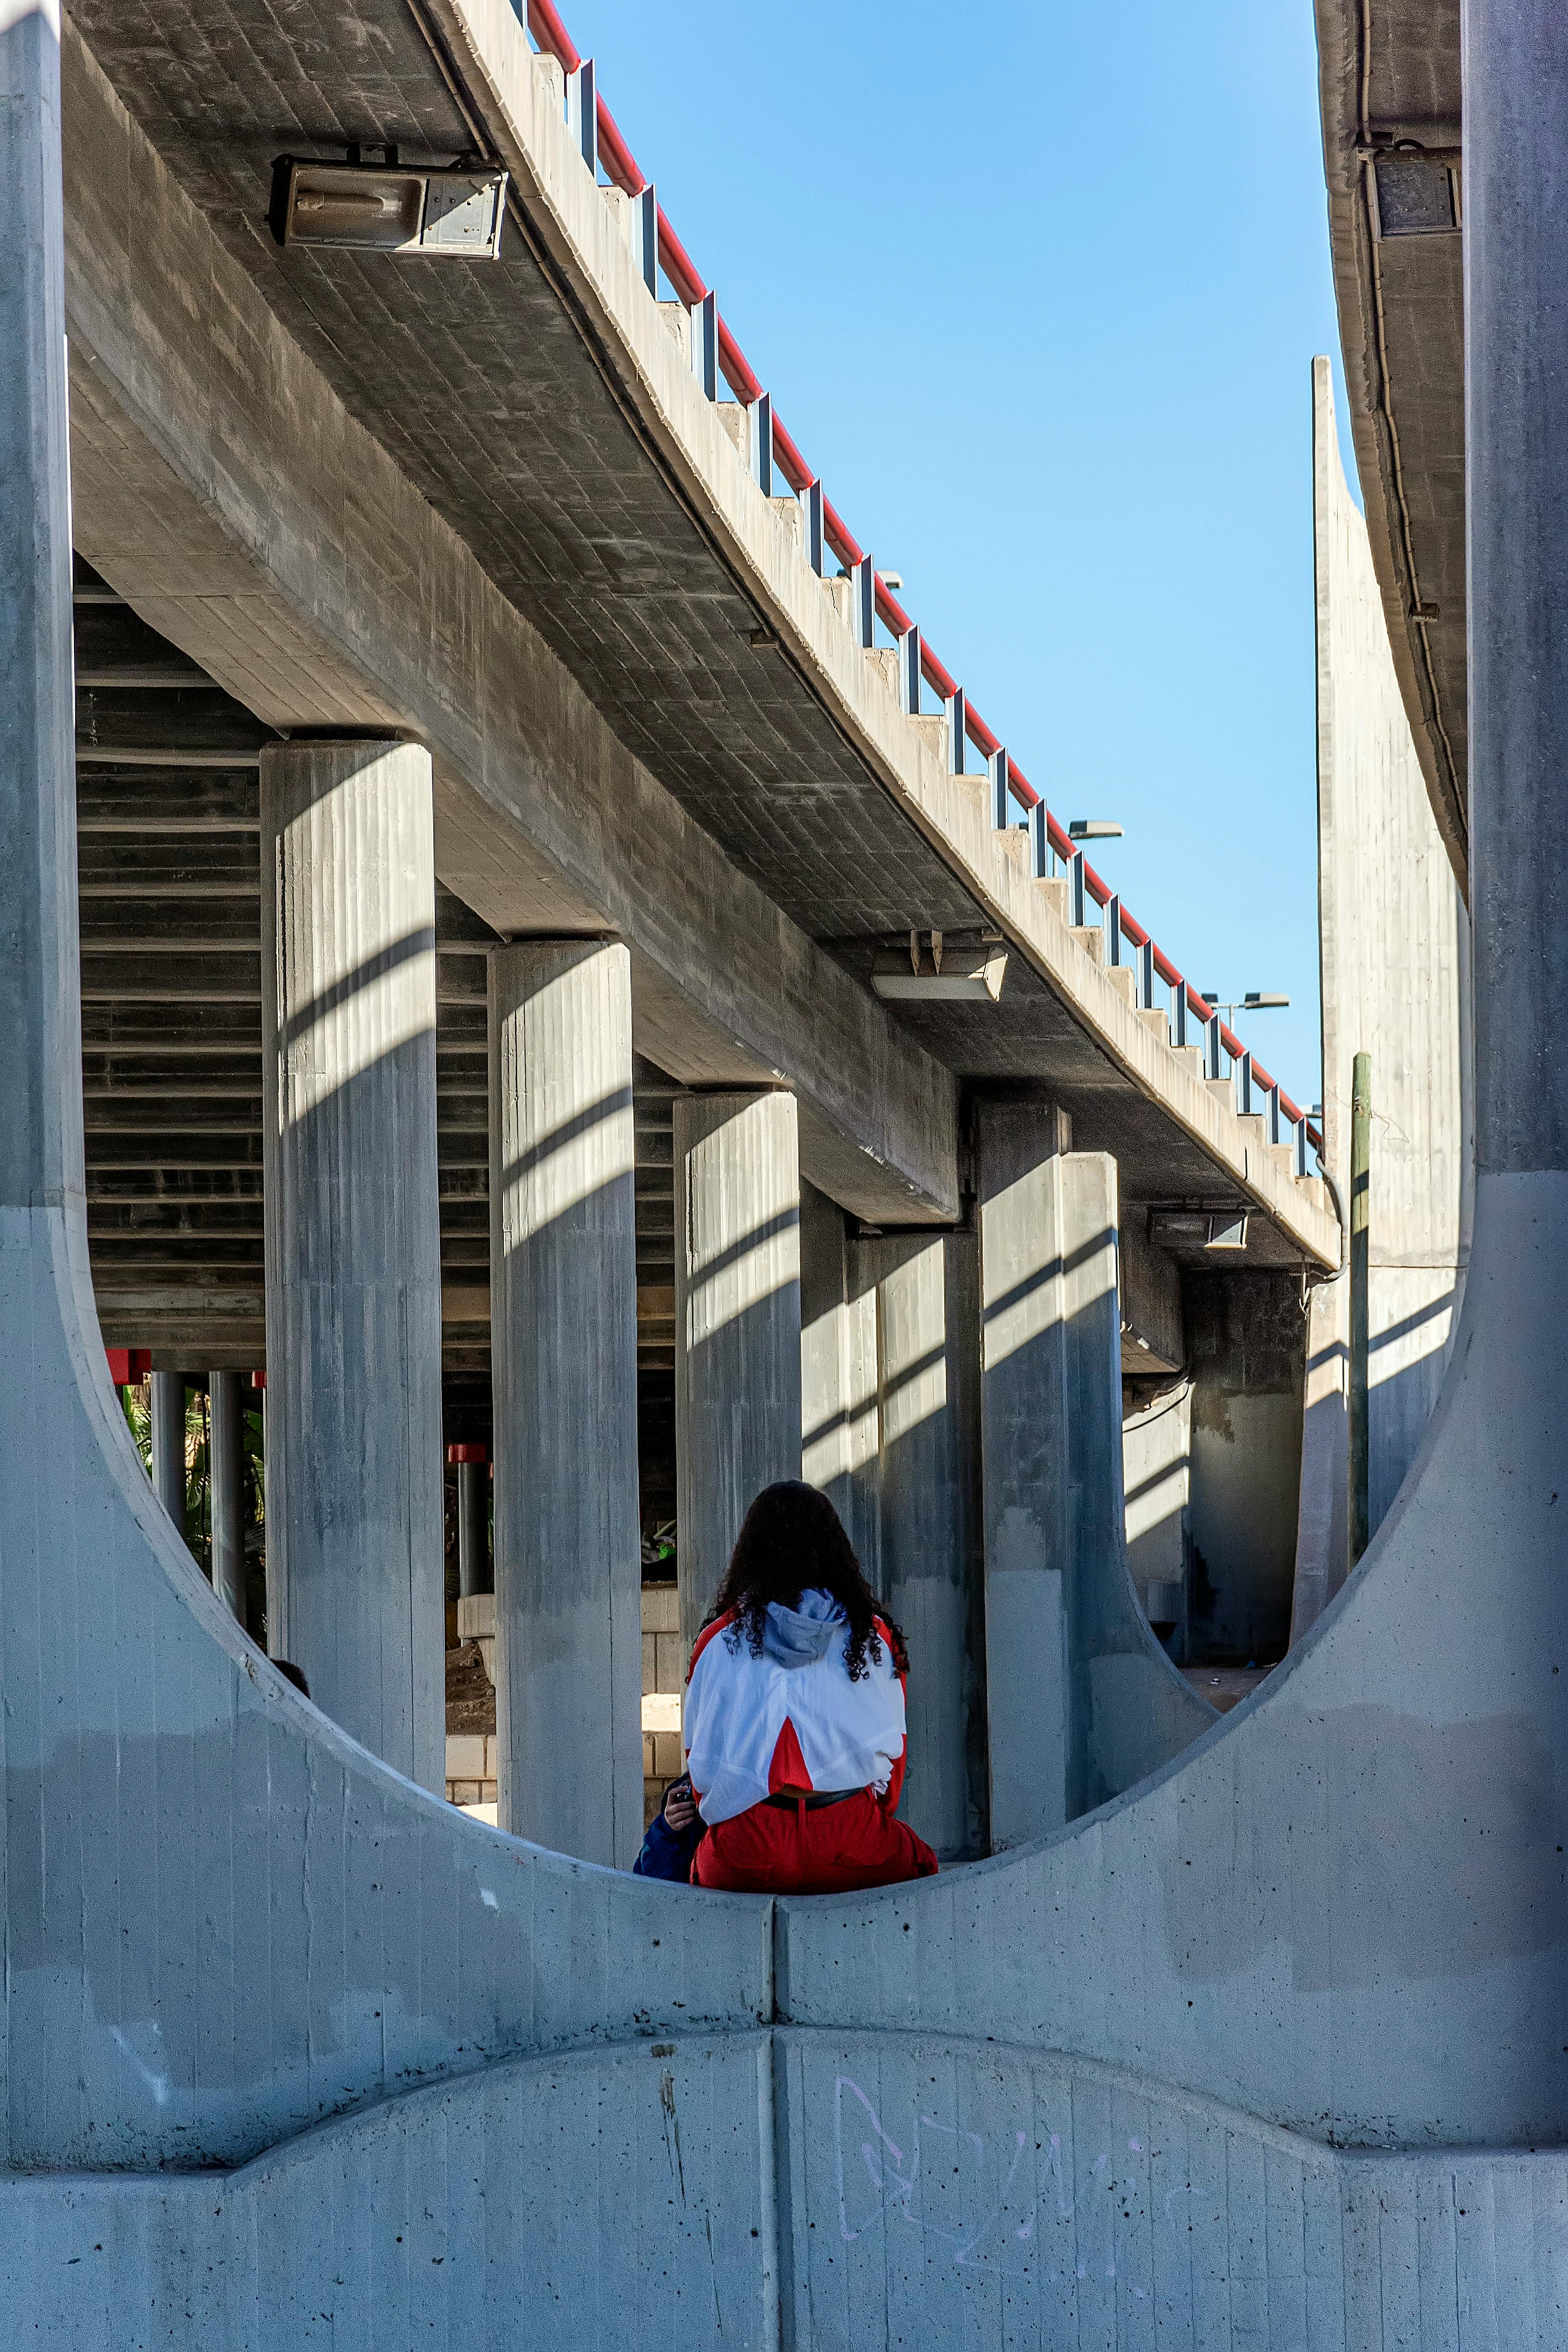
(890,1368)
(1082,1701)
(737,1324)
(928,1319)
(473,1520)
(353,1284)
(167,1392)
(563,1366)
(840,1420)
(225,1464)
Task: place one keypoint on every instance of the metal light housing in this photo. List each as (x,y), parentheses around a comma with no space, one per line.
(387,208)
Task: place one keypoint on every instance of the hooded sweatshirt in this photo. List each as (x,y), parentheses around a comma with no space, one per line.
(790,1718)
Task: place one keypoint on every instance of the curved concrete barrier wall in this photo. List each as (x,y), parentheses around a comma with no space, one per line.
(826,2189)
(1345,1910)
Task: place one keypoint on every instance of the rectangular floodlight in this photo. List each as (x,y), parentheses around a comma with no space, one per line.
(967,980)
(384,208)
(1417,195)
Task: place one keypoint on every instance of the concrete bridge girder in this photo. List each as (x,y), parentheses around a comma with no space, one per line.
(1113,1045)
(251,521)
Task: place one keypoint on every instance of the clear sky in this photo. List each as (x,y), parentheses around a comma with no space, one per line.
(1037,288)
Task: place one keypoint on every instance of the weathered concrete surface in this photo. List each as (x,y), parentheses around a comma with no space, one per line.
(818,2189)
(1302,1919)
(1082,1701)
(1156,1478)
(1151,1297)
(839,1403)
(1388,70)
(1247,1339)
(354,1505)
(889,1365)
(563,1356)
(1395,984)
(737,1325)
(930,1563)
(241,509)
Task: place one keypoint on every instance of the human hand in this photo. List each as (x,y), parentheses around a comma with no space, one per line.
(679,1811)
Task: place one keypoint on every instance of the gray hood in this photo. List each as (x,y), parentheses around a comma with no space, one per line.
(801,1636)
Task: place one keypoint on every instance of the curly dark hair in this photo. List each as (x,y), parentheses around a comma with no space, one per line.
(792,1540)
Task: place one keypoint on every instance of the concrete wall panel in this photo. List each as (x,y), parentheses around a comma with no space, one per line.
(1395,953)
(826,2191)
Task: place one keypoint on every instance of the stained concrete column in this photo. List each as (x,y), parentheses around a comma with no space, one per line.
(167,1392)
(353,1259)
(839,1417)
(473,1520)
(737,1324)
(1081,1700)
(927,1293)
(225,1462)
(568,1555)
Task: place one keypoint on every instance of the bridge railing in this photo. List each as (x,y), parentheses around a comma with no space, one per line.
(715,354)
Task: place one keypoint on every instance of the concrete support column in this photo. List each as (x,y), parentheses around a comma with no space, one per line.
(839,1418)
(1081,1700)
(568,1572)
(737,1324)
(225,1451)
(928,1303)
(473,1520)
(353,1257)
(168,1417)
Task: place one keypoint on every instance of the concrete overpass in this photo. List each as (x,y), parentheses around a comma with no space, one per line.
(466,631)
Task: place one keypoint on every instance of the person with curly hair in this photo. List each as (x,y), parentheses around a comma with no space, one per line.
(795,1715)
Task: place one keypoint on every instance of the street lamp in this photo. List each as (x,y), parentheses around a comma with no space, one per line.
(1255,1001)
(1094,828)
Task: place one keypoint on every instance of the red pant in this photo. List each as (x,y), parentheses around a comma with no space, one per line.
(825,1850)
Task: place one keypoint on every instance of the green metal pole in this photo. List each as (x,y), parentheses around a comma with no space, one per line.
(1360,1179)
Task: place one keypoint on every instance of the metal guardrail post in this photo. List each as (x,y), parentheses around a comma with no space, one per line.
(1145,967)
(815,546)
(1359,1262)
(1179,1014)
(863,602)
(1273,1114)
(1076,909)
(705,346)
(1246,1086)
(996,777)
(645,237)
(1039,844)
(1113,931)
(1213,1049)
(909,672)
(582,115)
(957,738)
(760,413)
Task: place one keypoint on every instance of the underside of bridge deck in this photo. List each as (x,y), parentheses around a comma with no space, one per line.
(497,397)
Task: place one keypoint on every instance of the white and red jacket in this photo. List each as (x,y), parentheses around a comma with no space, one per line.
(790,1718)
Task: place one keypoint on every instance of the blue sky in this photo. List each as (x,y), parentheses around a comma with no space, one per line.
(1036,290)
